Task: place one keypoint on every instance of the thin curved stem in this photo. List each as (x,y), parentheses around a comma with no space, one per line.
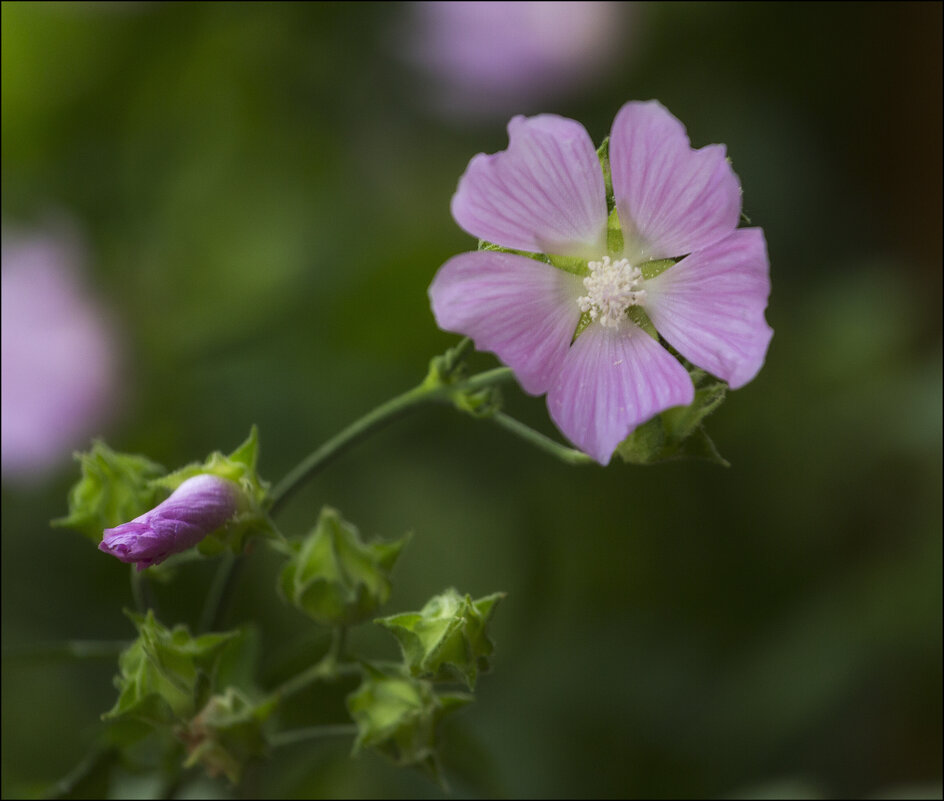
(430,391)
(338,444)
(385,413)
(283,738)
(214,607)
(536,438)
(327,669)
(98,757)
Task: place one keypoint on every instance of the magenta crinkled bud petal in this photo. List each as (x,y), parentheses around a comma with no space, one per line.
(199,506)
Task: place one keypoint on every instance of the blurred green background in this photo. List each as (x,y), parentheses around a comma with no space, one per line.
(263,193)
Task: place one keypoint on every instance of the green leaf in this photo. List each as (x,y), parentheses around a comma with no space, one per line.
(447,639)
(114,488)
(399,716)
(334,577)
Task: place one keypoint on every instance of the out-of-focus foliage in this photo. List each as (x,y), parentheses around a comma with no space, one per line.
(263,192)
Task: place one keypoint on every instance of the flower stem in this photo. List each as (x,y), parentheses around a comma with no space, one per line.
(139,590)
(427,392)
(536,438)
(100,756)
(215,603)
(327,669)
(282,738)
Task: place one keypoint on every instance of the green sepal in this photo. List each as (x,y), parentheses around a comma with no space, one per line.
(447,639)
(334,577)
(240,468)
(399,716)
(165,675)
(226,733)
(569,264)
(603,153)
(481,403)
(638,315)
(614,235)
(582,323)
(450,370)
(677,433)
(486,245)
(114,488)
(650,269)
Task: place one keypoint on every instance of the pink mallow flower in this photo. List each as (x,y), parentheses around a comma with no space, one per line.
(199,506)
(546,194)
(59,359)
(485,58)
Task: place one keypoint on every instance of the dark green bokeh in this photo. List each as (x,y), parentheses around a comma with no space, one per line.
(265,199)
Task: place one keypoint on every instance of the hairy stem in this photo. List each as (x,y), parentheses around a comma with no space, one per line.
(536,438)
(214,607)
(393,409)
(283,738)
(328,668)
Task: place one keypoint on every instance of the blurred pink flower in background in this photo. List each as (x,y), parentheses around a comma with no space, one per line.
(58,360)
(486,58)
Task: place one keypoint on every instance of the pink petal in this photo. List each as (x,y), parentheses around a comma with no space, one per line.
(671,199)
(523,310)
(611,381)
(544,194)
(710,306)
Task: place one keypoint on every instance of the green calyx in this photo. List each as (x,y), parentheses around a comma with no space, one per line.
(334,577)
(165,675)
(118,487)
(447,373)
(678,433)
(400,715)
(447,639)
(240,468)
(226,733)
(114,488)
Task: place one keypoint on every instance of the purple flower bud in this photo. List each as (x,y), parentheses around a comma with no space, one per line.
(196,508)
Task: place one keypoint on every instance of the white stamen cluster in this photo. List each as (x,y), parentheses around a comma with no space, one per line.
(612,287)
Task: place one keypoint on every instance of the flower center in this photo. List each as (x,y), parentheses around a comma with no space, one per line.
(612,287)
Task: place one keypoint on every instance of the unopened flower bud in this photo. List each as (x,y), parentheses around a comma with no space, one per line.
(199,506)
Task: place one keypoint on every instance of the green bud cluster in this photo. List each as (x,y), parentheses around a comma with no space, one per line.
(182,688)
